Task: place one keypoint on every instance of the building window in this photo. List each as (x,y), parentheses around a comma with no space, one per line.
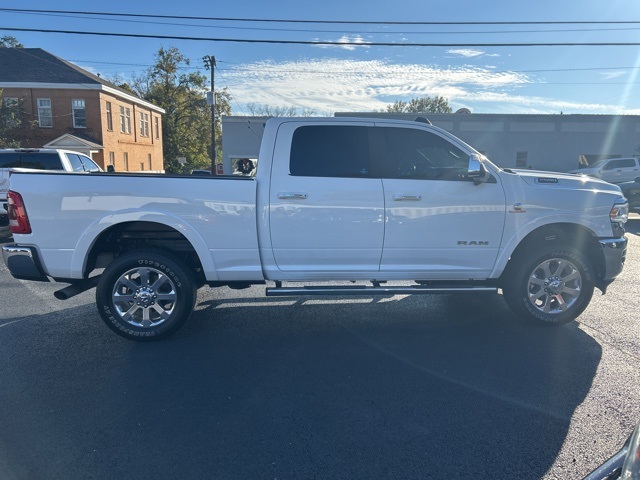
(11,112)
(112,158)
(125,120)
(45,117)
(157,122)
(126,162)
(142,166)
(109,117)
(79,113)
(149,159)
(521,159)
(144,124)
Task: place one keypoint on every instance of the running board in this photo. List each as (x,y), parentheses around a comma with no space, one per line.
(375,290)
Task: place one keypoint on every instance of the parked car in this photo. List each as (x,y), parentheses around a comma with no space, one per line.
(200,172)
(624,465)
(613,170)
(39,159)
(631,191)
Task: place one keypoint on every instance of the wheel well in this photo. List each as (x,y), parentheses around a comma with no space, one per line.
(124,237)
(577,236)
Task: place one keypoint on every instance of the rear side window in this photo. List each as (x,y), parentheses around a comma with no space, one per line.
(9,160)
(330,151)
(41,161)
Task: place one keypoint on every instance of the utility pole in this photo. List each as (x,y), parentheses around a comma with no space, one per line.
(210,64)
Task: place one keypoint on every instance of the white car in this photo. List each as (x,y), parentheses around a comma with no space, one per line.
(39,159)
(613,170)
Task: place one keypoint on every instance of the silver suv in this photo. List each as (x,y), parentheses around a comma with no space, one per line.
(38,159)
(613,170)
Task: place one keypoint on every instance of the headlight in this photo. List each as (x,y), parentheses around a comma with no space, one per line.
(620,211)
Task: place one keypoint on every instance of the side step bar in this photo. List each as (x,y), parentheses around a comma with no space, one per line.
(280,291)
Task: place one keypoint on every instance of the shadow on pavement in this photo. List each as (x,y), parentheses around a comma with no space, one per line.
(441,387)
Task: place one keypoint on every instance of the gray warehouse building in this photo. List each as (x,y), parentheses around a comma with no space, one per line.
(542,142)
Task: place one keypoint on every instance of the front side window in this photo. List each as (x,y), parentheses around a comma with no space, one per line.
(45,117)
(330,151)
(89,165)
(79,113)
(622,163)
(76,163)
(417,154)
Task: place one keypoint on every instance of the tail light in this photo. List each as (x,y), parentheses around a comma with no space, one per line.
(18,220)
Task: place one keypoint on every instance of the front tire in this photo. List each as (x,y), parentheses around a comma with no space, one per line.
(552,287)
(145,295)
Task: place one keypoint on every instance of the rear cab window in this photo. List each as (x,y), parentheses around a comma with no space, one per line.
(330,151)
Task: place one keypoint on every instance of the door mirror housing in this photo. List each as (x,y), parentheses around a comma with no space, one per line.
(477,171)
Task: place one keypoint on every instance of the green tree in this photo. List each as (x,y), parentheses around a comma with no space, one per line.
(186,124)
(10,42)
(424,104)
(10,122)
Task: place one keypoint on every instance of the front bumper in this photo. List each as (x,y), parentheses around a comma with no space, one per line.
(614,252)
(23,262)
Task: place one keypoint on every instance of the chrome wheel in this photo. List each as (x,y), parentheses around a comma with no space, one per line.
(554,286)
(144,297)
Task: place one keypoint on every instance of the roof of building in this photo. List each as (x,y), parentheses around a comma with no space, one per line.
(35,65)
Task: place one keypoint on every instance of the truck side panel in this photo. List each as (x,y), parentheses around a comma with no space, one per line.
(65,225)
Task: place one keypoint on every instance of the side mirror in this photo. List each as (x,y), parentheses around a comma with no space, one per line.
(477,171)
(111,169)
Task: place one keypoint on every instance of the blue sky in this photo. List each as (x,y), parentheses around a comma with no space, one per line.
(575,79)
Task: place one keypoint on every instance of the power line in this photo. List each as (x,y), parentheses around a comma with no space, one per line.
(339,22)
(328,43)
(353,32)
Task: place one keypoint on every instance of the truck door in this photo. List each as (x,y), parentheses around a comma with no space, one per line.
(326,213)
(438,223)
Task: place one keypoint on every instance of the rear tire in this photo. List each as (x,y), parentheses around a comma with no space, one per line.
(146,295)
(551,287)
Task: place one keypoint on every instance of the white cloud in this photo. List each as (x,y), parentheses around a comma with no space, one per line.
(466,52)
(612,75)
(470,53)
(347,41)
(331,85)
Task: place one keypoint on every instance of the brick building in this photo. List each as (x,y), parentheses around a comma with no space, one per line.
(63,106)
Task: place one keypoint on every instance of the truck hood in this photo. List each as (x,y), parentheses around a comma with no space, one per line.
(538,178)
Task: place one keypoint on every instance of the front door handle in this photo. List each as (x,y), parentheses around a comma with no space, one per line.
(407,197)
(292,196)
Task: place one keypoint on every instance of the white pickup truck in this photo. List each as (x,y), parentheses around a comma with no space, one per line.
(391,206)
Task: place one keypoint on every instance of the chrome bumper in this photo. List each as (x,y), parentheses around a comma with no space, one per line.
(615,252)
(23,263)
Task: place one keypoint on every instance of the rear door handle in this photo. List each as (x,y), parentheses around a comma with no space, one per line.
(292,196)
(407,197)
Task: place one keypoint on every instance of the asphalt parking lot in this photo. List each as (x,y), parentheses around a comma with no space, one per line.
(415,387)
